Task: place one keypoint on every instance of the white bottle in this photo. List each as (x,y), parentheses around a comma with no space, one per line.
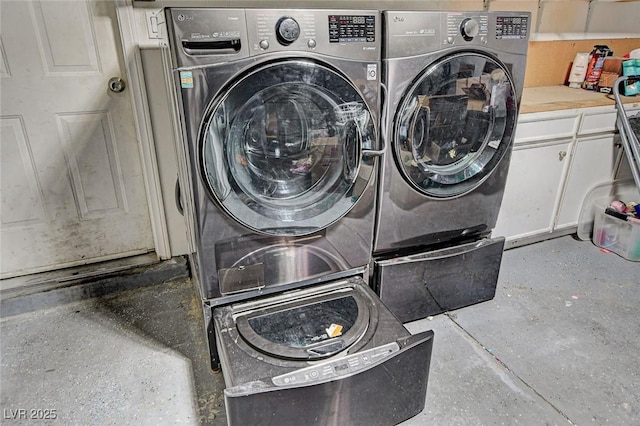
(578,70)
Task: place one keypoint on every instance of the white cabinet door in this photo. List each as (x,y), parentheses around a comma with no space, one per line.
(593,162)
(72,183)
(532,189)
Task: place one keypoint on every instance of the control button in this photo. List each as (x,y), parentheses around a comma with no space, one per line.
(287,30)
(264,44)
(469,28)
(450,40)
(372,74)
(314,374)
(311,43)
(483,39)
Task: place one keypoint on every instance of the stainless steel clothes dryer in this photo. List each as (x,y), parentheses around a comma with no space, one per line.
(454,82)
(279,113)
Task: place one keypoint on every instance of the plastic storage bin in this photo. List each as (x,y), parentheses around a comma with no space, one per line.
(617,235)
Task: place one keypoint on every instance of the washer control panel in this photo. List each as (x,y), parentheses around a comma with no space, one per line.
(353,34)
(211,35)
(340,367)
(351,28)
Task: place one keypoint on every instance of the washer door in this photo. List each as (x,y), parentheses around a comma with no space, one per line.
(283,146)
(455,124)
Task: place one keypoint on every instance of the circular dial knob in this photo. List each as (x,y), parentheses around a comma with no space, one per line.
(469,28)
(287,30)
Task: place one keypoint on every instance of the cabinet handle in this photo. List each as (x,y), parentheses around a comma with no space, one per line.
(561,155)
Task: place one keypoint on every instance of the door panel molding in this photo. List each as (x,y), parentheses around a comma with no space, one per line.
(58,57)
(98,191)
(5,71)
(23,194)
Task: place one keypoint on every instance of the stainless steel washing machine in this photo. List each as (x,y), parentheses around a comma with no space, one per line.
(279,113)
(282,365)
(454,82)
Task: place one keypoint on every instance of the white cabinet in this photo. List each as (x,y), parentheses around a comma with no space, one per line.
(547,125)
(597,120)
(558,157)
(538,167)
(593,161)
(533,188)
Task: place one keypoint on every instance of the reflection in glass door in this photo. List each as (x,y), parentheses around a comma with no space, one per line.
(283,147)
(455,124)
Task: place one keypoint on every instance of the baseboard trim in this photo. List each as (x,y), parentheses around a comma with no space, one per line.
(532,239)
(17,301)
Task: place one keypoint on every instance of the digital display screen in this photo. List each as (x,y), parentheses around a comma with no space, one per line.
(352,28)
(341,367)
(514,27)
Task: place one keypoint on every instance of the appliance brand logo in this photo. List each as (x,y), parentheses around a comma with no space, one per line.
(398,19)
(182,17)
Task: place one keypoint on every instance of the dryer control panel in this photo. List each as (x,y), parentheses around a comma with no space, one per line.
(466,26)
(422,32)
(512,27)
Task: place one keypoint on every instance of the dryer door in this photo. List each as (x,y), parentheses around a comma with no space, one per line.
(284,145)
(455,124)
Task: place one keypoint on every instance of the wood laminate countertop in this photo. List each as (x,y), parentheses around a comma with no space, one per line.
(554,98)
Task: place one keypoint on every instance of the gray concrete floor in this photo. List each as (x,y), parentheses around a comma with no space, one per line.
(558,345)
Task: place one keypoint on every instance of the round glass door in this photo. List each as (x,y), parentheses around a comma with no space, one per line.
(455,124)
(283,147)
(310,328)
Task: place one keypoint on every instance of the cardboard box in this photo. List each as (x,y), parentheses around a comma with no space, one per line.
(611,70)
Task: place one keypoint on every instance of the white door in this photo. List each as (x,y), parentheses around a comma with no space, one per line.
(72,183)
